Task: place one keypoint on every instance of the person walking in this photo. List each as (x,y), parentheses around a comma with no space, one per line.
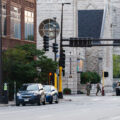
(88,88)
(98,89)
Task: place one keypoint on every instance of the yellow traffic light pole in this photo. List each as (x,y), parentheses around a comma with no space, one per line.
(60,83)
(103,92)
(55,80)
(103,80)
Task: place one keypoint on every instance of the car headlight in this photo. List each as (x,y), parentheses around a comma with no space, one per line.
(19,95)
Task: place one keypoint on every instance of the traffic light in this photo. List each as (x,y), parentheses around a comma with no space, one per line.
(63,72)
(105,74)
(46,43)
(62,58)
(80,42)
(51,78)
(55,47)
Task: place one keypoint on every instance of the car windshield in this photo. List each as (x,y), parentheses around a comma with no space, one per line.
(32,88)
(47,88)
(23,88)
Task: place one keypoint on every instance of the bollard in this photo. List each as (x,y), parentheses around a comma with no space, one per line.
(103,92)
(5,93)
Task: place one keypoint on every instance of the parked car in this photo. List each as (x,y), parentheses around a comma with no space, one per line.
(51,94)
(30,94)
(118,89)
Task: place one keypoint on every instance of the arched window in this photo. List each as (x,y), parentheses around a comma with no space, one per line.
(47,27)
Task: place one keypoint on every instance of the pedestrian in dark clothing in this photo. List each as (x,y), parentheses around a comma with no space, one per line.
(98,89)
(88,88)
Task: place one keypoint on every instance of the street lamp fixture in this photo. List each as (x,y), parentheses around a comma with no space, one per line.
(61,39)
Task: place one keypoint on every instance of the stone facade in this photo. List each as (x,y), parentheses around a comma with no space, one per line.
(97,59)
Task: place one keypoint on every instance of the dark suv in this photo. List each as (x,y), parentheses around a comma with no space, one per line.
(30,94)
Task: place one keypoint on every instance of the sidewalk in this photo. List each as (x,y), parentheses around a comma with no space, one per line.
(11,103)
(66,98)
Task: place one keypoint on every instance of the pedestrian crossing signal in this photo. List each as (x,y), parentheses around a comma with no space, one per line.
(105,74)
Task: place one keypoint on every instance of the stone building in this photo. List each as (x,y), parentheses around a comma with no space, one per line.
(83,18)
(18,22)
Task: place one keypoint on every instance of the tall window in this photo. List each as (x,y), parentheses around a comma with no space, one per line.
(90,23)
(29,25)
(4,27)
(15,28)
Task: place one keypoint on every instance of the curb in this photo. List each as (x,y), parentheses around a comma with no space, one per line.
(6,105)
(13,104)
(64,100)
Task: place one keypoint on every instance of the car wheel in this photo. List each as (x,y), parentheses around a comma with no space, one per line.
(23,104)
(117,92)
(51,101)
(56,99)
(39,102)
(44,102)
(17,104)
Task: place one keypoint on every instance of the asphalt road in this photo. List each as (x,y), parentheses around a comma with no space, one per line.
(80,108)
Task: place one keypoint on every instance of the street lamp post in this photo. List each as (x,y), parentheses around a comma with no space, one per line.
(70,63)
(61,33)
(60,61)
(0,50)
(55,35)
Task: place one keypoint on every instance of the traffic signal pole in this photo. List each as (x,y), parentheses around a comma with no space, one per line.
(60,83)
(55,37)
(60,67)
(0,51)
(60,61)
(103,92)
(55,80)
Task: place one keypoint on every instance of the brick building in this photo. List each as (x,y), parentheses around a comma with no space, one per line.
(18,22)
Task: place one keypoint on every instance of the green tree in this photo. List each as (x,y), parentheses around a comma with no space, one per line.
(20,65)
(116,66)
(91,77)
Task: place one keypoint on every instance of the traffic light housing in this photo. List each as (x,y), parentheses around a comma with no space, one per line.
(51,78)
(63,72)
(80,42)
(55,47)
(106,74)
(46,43)
(62,58)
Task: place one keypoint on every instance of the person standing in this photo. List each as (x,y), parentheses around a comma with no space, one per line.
(88,88)
(98,89)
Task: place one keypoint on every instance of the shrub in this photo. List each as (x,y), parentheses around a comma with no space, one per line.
(91,77)
(67,91)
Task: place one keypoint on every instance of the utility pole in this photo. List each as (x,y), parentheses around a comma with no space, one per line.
(55,37)
(0,50)
(60,61)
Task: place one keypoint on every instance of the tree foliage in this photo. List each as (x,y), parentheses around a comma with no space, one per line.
(91,77)
(20,64)
(116,66)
